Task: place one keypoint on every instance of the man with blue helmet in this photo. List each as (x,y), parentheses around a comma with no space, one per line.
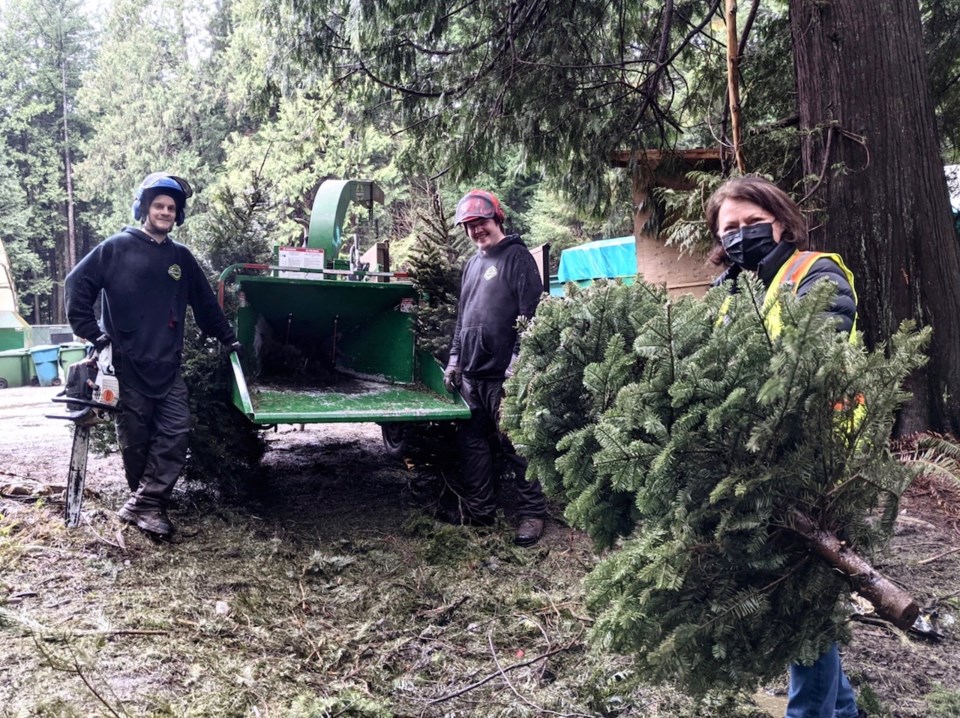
(145,281)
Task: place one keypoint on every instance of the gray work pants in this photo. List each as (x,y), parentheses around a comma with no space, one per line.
(153,436)
(475,437)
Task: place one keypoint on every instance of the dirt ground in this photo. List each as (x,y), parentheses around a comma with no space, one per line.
(333,592)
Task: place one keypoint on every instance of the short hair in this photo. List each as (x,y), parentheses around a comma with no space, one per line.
(766,195)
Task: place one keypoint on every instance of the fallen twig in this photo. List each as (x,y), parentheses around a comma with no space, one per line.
(885,624)
(938,556)
(487,679)
(445,610)
(65,636)
(58,664)
(120,544)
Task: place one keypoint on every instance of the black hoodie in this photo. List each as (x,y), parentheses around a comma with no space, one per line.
(146,289)
(497,287)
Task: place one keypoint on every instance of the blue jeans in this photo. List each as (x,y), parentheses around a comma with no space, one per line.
(821,690)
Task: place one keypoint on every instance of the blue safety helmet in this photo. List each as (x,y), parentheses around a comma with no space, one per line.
(162,183)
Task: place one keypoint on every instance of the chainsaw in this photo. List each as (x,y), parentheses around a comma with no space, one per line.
(91,394)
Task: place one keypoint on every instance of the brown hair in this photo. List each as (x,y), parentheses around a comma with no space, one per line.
(767,196)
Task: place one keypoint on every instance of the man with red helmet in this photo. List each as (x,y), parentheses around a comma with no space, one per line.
(145,281)
(499,285)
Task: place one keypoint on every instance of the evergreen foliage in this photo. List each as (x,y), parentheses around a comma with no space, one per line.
(567,81)
(16,217)
(225,447)
(154,105)
(681,212)
(44,44)
(239,225)
(689,444)
(940,18)
(435,264)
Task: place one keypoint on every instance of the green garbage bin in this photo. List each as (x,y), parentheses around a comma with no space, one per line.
(15,368)
(71,353)
(45,362)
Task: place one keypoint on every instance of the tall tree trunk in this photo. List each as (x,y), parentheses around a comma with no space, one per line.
(71,254)
(870,140)
(70,248)
(733,84)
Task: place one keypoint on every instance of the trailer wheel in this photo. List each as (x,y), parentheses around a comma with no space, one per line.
(394,439)
(3,383)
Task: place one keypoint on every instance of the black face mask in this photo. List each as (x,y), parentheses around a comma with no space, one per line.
(749,245)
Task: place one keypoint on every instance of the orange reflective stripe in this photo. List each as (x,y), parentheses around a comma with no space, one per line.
(800,265)
(859,400)
(794,271)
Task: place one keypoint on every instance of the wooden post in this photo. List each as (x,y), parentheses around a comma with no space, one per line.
(733,84)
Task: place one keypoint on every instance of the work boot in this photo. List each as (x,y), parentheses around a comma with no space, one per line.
(152,521)
(529,531)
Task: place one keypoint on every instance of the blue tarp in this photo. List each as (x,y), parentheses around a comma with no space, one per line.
(604,258)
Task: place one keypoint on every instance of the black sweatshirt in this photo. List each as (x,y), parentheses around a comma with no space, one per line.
(146,288)
(496,288)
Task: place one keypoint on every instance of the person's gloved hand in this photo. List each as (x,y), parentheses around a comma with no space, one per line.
(452,375)
(511,367)
(101,342)
(238,348)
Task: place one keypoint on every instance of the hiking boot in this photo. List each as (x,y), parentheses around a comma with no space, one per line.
(529,531)
(152,521)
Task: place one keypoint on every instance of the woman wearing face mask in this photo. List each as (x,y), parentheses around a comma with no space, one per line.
(760,229)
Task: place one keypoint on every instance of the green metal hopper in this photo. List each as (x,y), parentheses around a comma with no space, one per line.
(324,344)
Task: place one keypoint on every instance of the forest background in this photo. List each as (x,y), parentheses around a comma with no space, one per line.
(851,108)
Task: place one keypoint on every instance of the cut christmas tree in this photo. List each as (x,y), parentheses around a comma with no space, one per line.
(741,481)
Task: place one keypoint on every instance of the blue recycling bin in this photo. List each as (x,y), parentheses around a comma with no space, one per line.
(45,361)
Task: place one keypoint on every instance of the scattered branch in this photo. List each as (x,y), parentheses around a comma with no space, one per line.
(938,556)
(501,671)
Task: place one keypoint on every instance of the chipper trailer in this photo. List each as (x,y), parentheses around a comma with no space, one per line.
(330,340)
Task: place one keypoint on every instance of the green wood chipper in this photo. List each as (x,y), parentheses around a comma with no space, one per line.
(329,340)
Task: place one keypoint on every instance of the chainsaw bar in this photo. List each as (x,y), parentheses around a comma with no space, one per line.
(90,403)
(77,473)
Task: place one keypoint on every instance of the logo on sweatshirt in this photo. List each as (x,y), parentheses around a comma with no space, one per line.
(174,271)
(490,273)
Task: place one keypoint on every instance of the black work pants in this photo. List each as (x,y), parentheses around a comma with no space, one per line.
(476,438)
(153,436)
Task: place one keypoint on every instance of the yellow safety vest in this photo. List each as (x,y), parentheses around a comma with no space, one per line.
(794,270)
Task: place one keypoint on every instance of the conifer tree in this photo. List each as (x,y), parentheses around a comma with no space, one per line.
(435,264)
(703,451)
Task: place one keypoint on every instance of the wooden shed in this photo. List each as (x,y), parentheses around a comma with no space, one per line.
(656,262)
